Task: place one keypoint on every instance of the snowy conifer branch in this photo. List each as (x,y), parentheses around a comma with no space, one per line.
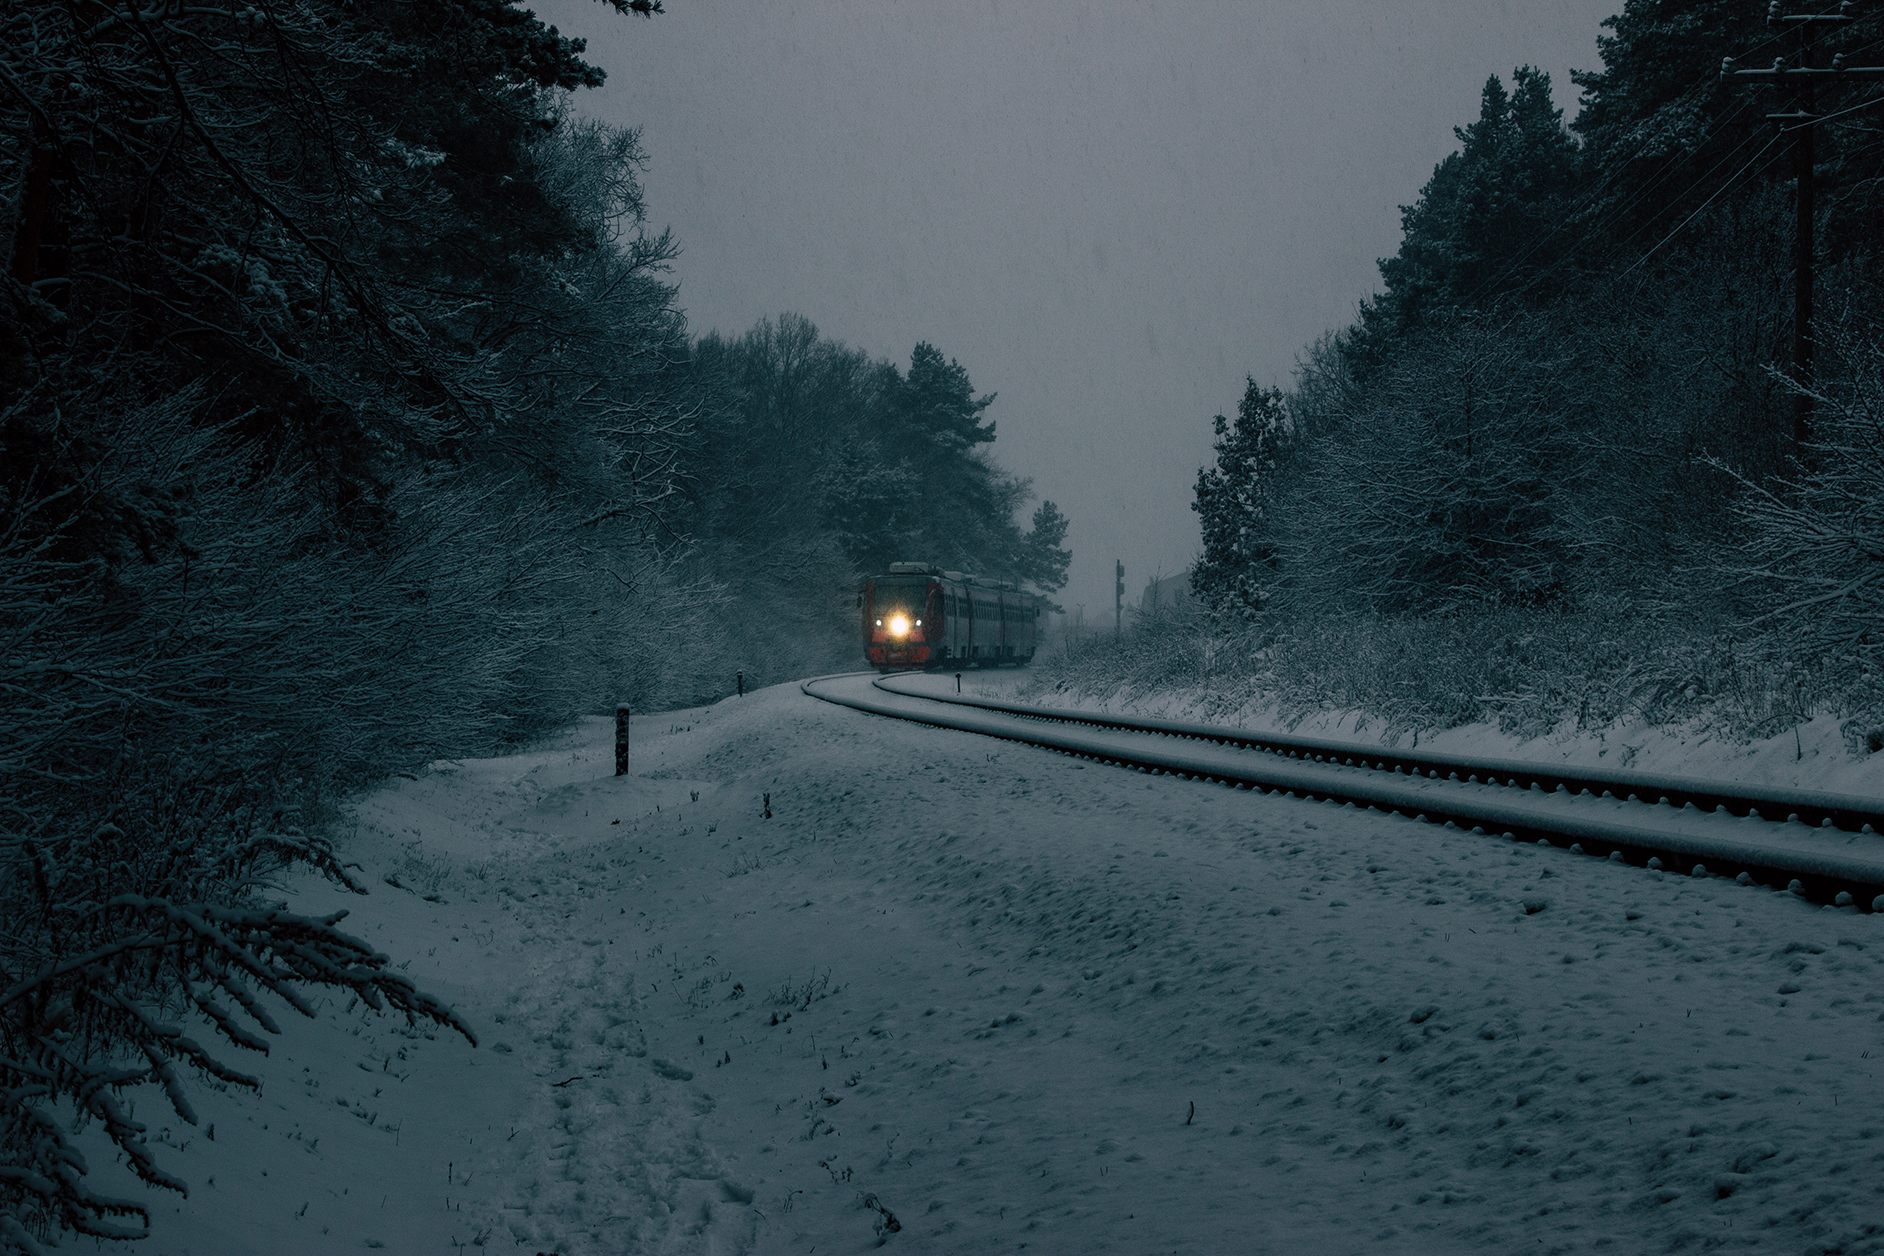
(86,1027)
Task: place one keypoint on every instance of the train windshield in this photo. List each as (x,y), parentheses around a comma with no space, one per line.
(905,596)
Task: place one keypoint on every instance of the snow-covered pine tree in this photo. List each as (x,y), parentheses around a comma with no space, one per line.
(1043,560)
(1236,499)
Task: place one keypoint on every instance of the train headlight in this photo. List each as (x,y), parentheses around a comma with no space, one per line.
(899,625)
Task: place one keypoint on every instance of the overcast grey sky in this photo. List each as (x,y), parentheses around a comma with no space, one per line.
(1109,213)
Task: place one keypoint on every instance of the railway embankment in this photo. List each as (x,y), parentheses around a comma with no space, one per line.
(1812,754)
(1565,691)
(1823,846)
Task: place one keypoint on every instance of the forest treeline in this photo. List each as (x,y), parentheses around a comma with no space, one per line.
(815,463)
(348,420)
(1573,394)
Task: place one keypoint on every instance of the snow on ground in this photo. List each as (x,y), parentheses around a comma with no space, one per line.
(1028,1003)
(1812,755)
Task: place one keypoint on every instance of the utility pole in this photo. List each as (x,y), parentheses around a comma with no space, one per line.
(1801,121)
(1118,604)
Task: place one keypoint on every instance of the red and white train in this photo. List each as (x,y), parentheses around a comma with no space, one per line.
(920,616)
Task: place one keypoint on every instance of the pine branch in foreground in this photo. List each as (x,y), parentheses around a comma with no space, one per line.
(103,996)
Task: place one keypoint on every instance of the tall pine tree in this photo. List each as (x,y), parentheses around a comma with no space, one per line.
(1236,500)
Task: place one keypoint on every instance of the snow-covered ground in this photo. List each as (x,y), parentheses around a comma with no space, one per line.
(1019,1002)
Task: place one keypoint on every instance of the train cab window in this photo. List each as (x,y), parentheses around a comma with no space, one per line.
(909,598)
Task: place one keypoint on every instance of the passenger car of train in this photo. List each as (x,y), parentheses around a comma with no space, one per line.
(921,616)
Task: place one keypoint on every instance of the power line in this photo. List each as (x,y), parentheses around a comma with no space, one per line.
(1865,104)
(1620,210)
(1709,201)
(1588,200)
(1598,228)
(1731,153)
(1802,77)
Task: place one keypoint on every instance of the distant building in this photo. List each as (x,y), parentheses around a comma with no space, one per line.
(1165,595)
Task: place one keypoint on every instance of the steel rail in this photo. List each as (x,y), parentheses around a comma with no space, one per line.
(1820,862)
(1842,811)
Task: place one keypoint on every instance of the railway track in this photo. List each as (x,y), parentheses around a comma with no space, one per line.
(1827,847)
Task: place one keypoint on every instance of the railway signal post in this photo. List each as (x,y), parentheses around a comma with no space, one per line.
(1118,603)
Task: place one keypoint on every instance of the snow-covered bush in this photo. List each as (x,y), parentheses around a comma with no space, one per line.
(194,662)
(1444,483)
(306,467)
(1528,670)
(1814,562)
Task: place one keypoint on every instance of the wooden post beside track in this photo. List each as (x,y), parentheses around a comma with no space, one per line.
(621,739)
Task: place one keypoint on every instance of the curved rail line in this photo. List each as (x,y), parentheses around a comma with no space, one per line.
(1816,844)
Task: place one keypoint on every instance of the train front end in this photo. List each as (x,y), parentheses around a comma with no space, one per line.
(901,616)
